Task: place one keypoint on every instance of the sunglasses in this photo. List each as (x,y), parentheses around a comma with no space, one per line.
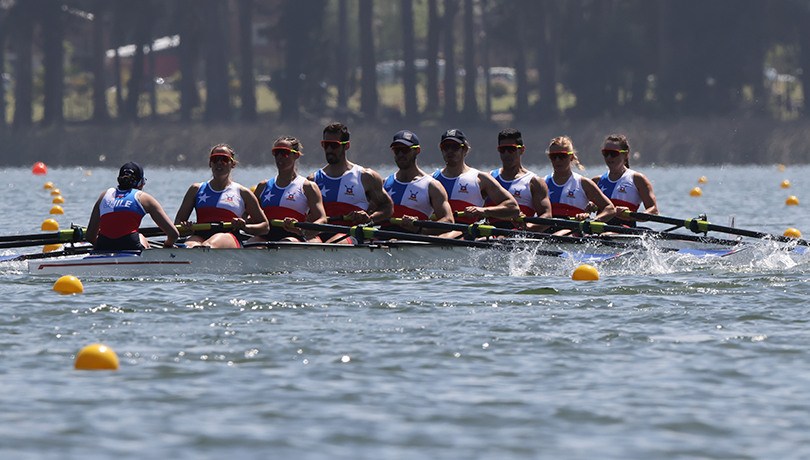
(403,149)
(559,155)
(511,148)
(450,146)
(220,158)
(285,151)
(333,144)
(612,152)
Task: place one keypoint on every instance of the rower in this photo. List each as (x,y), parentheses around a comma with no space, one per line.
(351,193)
(221,200)
(468,188)
(118,212)
(289,197)
(415,193)
(569,192)
(528,189)
(626,188)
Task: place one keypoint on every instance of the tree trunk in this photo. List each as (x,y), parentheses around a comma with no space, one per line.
(151,86)
(189,48)
(434,35)
(521,79)
(409,56)
(547,62)
(368,62)
(470,69)
(3,26)
(341,66)
(142,34)
(217,100)
(54,81)
(248,80)
(23,89)
(450,96)
(100,112)
(663,84)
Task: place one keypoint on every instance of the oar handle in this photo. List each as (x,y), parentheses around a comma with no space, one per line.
(156,231)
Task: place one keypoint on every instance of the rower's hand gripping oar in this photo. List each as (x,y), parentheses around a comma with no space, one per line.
(702,226)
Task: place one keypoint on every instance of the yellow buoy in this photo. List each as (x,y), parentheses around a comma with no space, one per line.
(96,357)
(585,273)
(702,180)
(48,185)
(792,201)
(68,284)
(58,199)
(50,225)
(696,192)
(55,192)
(56,209)
(785,183)
(781,167)
(792,233)
(88,173)
(51,247)
(252,188)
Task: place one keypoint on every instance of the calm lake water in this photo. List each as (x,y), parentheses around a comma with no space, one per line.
(663,358)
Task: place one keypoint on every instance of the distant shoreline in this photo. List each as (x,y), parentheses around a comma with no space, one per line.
(681,142)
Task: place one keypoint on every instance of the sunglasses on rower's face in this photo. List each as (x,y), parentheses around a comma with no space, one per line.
(559,155)
(284,151)
(511,148)
(220,158)
(612,152)
(402,149)
(450,146)
(333,144)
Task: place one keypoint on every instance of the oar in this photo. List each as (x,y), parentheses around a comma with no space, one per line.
(157,231)
(481,230)
(589,226)
(46,255)
(369,233)
(74,235)
(702,226)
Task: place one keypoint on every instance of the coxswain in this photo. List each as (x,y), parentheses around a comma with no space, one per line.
(626,188)
(415,193)
(118,212)
(221,200)
(468,188)
(352,194)
(289,196)
(572,195)
(529,190)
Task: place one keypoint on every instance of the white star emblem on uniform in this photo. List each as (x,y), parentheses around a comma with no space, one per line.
(204,197)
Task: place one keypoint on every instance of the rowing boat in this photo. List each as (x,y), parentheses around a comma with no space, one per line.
(280,257)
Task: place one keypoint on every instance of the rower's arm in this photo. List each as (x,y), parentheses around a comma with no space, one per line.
(184,212)
(606,208)
(94,225)
(317,214)
(155,210)
(645,190)
(506,207)
(378,200)
(257,223)
(541,202)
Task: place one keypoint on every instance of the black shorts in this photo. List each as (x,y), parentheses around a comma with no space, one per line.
(131,242)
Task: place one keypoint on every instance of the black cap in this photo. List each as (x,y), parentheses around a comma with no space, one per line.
(454,135)
(132,169)
(405,137)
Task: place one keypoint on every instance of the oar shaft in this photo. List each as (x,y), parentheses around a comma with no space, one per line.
(702,226)
(74,234)
(157,231)
(601,227)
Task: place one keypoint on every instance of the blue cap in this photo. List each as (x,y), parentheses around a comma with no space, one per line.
(454,135)
(405,137)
